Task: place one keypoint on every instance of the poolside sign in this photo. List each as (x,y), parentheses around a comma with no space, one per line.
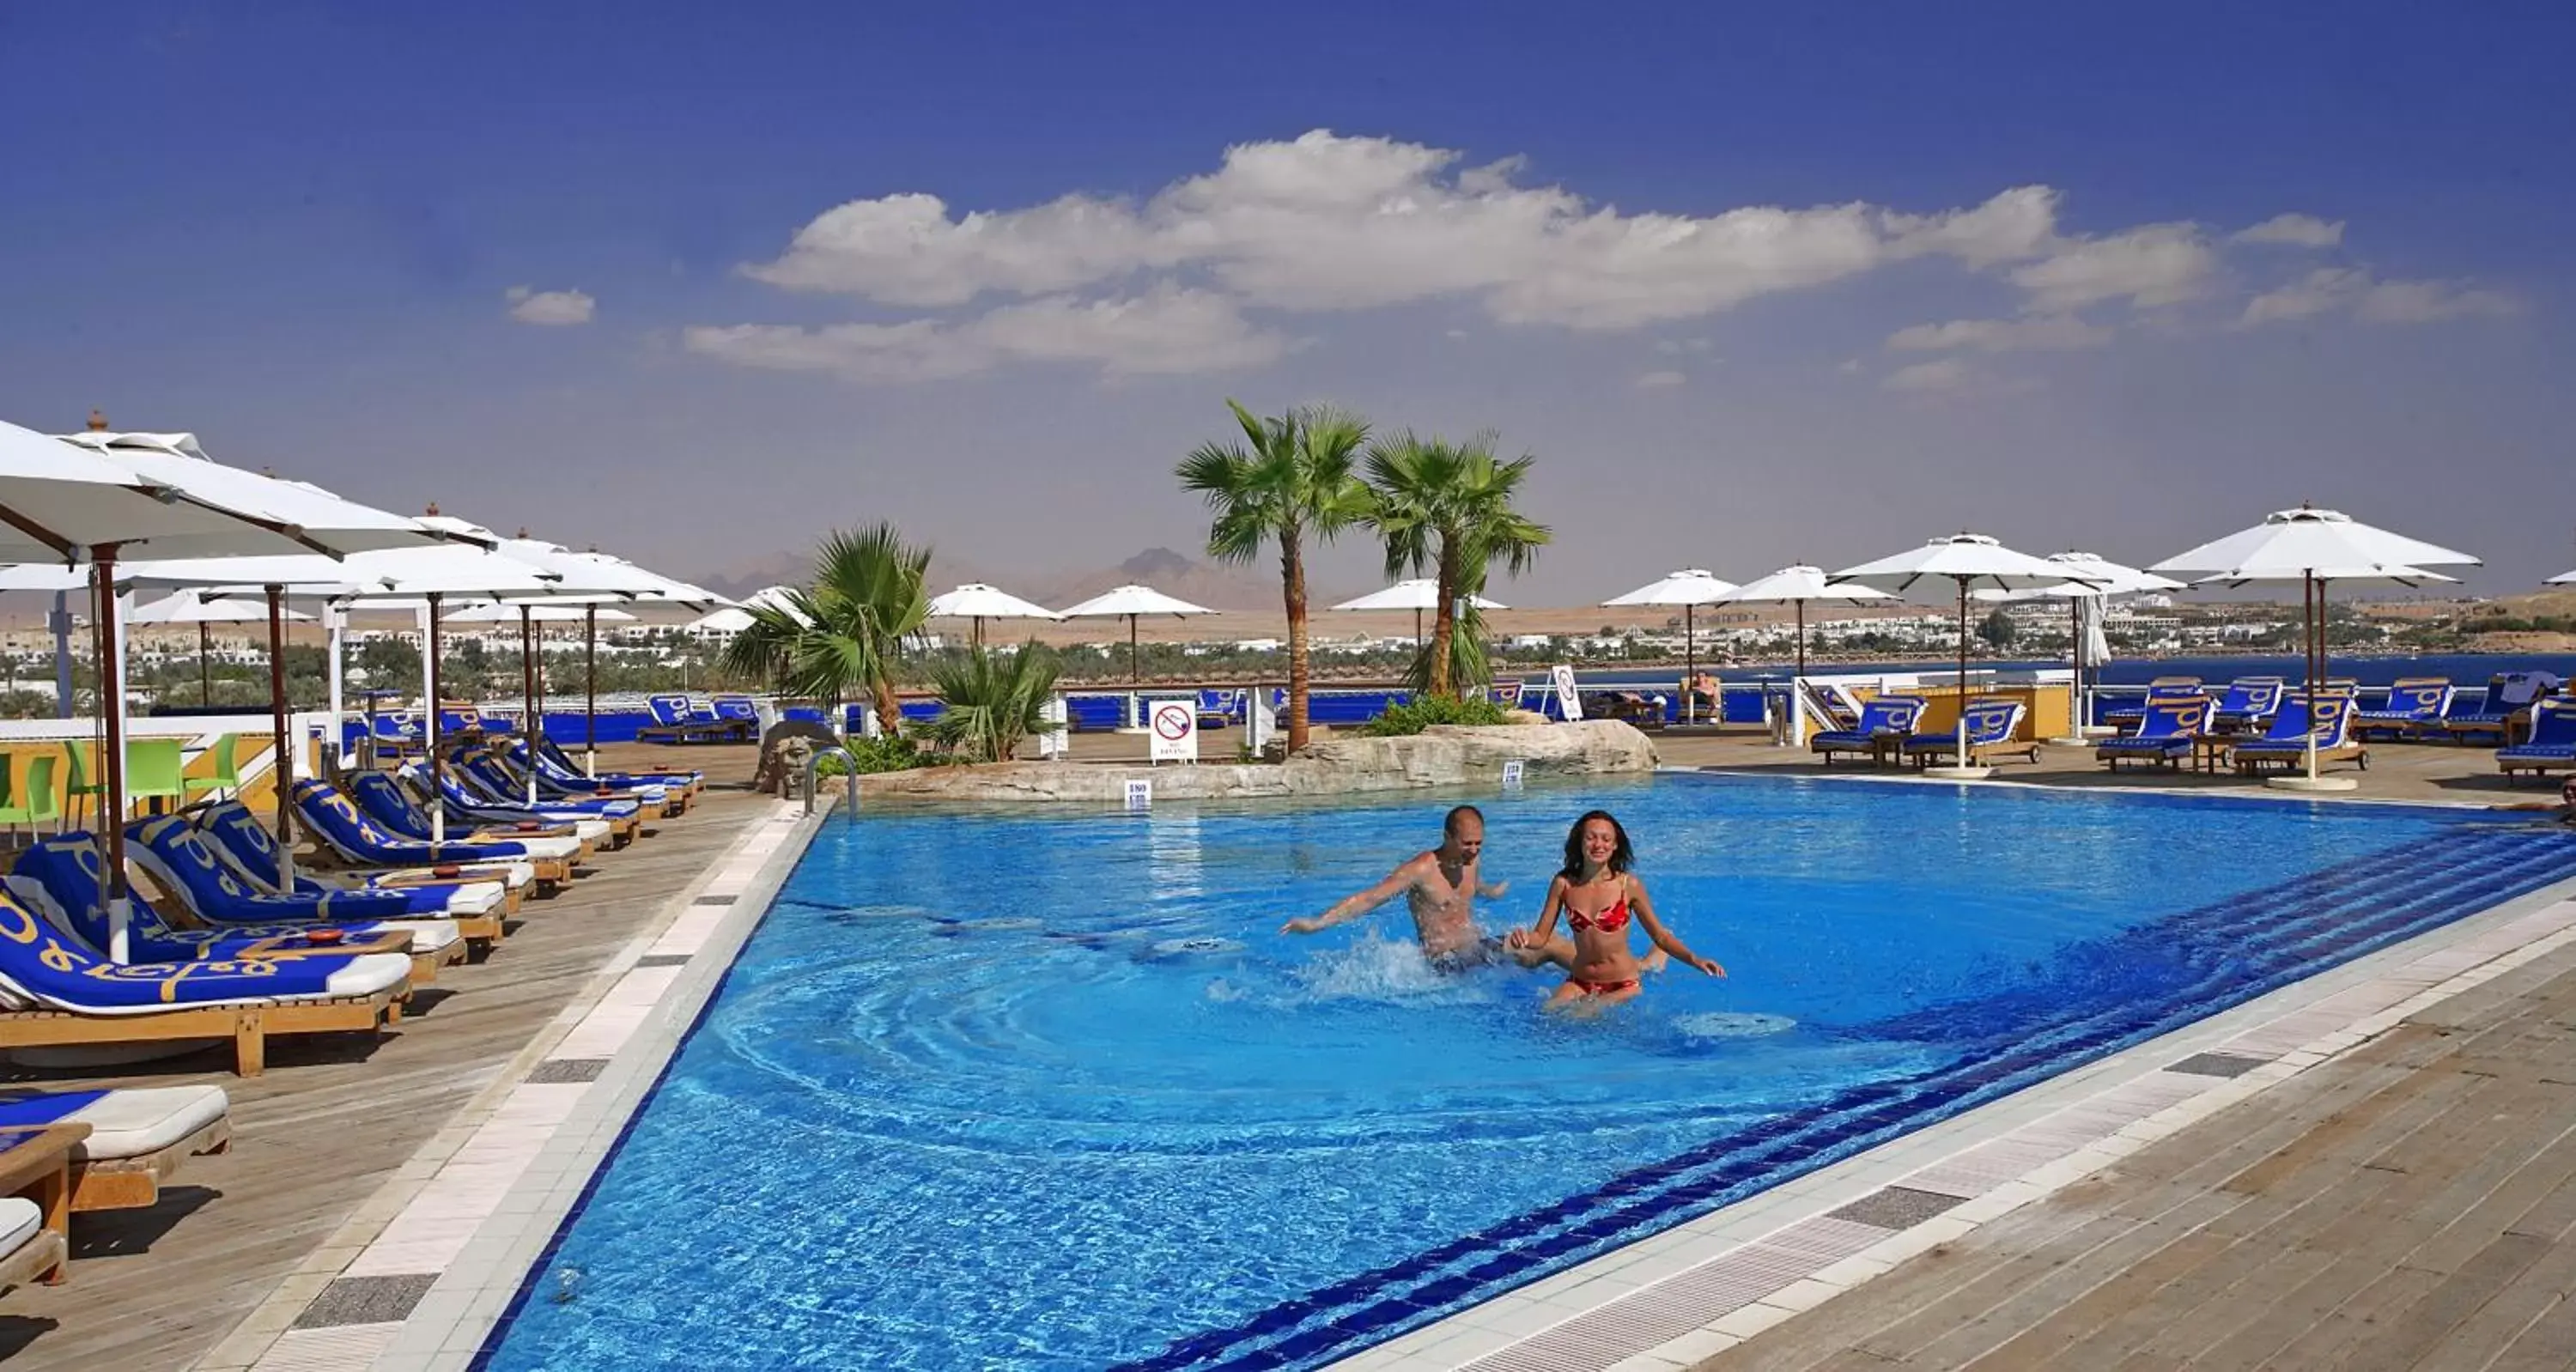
(1058,741)
(1513,768)
(1568,699)
(1140,795)
(1174,728)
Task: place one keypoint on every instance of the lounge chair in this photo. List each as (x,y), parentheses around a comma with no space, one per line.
(35,1202)
(2162,688)
(185,865)
(2552,744)
(2247,704)
(557,775)
(2507,696)
(473,804)
(138,1136)
(2285,744)
(1884,724)
(2415,703)
(59,877)
(1991,722)
(390,805)
(2167,734)
(245,845)
(347,836)
(675,720)
(498,777)
(1219,708)
(61,991)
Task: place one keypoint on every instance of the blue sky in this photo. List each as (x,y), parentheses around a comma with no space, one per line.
(1755,289)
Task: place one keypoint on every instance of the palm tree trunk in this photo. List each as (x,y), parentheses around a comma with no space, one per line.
(1444,625)
(889,706)
(1292,580)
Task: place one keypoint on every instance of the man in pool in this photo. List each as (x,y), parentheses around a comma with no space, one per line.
(1441,885)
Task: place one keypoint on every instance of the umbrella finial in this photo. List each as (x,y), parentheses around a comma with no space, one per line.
(432,511)
(522,533)
(97,420)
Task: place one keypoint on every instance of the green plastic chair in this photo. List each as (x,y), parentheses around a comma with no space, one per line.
(80,784)
(33,803)
(154,769)
(227,774)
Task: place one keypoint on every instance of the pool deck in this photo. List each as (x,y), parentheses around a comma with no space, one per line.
(2408,1200)
(2410,1203)
(318,1139)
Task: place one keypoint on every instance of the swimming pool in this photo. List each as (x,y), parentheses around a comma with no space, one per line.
(1015,1090)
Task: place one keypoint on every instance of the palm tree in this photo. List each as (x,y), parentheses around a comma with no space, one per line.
(1448,507)
(841,637)
(1289,481)
(991,701)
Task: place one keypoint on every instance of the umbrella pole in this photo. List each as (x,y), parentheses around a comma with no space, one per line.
(205,647)
(590,690)
(111,711)
(1690,663)
(2316,665)
(1962,731)
(429,731)
(528,696)
(1134,672)
(1417,629)
(284,767)
(335,626)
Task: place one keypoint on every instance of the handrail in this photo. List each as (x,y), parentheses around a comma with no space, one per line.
(814,764)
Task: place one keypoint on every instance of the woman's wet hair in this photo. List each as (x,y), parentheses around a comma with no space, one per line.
(1621,855)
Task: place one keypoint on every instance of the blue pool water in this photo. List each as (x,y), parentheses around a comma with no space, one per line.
(1016,1091)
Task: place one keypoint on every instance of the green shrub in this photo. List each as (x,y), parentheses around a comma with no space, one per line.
(887,753)
(1420,713)
(991,702)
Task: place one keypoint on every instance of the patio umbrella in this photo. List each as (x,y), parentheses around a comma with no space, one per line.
(1969,562)
(204,613)
(978,602)
(1689,588)
(2084,601)
(2314,548)
(1794,587)
(238,512)
(1416,594)
(1132,602)
(2562,579)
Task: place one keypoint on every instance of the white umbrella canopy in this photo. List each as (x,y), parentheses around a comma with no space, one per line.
(1131,602)
(1689,588)
(189,609)
(300,513)
(540,611)
(2562,579)
(2314,547)
(978,602)
(1795,586)
(1416,594)
(1967,562)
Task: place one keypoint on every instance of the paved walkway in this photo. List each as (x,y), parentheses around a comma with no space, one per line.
(334,1118)
(2409,1204)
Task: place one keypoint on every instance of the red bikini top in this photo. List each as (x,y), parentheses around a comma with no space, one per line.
(1609,921)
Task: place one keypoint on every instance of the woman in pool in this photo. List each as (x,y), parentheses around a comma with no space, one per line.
(1598,895)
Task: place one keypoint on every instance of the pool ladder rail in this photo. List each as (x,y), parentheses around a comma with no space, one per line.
(850,770)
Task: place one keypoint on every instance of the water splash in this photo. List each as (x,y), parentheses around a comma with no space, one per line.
(1720,1024)
(1381,969)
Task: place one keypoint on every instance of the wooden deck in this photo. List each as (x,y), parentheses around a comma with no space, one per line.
(333,1118)
(2410,1204)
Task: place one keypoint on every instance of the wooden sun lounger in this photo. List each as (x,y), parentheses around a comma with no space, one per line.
(248,1026)
(133,1183)
(39,1167)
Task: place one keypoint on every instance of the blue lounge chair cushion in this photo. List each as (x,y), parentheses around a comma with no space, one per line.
(60,875)
(236,836)
(181,859)
(52,968)
(335,819)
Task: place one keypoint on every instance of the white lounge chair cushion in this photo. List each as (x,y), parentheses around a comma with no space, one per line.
(541,846)
(131,1122)
(367,974)
(591,831)
(19,1221)
(477,898)
(428,935)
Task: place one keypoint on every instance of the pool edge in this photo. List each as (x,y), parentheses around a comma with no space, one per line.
(1778,1247)
(492,1274)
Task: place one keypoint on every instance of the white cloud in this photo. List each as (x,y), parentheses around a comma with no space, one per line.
(531,306)
(2372,301)
(1660,381)
(1326,222)
(2294,230)
(2156,264)
(2045,332)
(1948,374)
(1165,331)
(1675,347)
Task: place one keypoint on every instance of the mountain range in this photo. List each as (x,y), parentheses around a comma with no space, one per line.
(1173,573)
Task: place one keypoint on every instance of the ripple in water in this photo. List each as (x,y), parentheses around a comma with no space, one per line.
(1379,969)
(1719,1024)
